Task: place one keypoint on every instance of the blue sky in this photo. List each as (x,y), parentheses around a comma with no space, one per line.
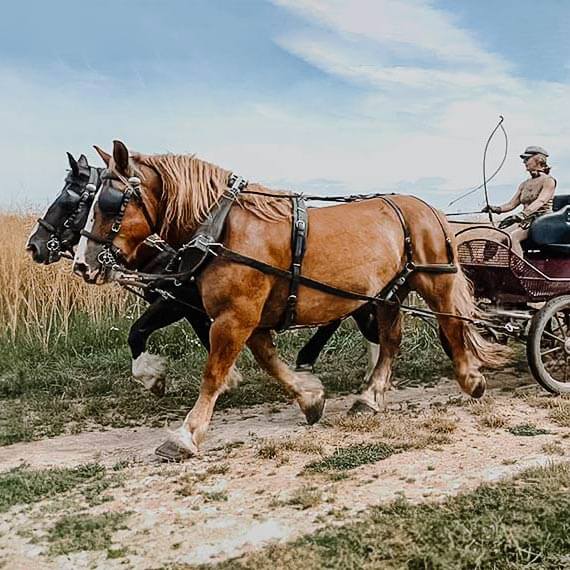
(325,96)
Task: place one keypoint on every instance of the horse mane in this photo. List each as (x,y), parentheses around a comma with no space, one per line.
(191,187)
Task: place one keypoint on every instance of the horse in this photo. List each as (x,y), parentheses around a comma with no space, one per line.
(359,247)
(56,234)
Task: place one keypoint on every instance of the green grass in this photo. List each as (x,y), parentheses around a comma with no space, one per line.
(83,380)
(527,430)
(350,457)
(24,486)
(521,523)
(76,533)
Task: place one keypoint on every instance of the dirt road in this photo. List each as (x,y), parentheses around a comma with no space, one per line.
(251,484)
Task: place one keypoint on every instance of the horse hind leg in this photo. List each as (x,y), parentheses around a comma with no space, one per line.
(451,293)
(390,336)
(303,386)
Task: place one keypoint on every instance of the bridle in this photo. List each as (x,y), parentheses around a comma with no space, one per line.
(56,245)
(115,201)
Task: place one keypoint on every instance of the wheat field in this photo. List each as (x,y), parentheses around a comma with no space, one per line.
(37,302)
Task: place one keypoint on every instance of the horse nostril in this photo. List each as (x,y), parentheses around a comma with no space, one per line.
(80,269)
(35,251)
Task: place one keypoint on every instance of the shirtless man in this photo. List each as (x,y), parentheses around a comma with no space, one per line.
(535,195)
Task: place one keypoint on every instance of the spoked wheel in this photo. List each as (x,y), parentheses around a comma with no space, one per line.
(548,345)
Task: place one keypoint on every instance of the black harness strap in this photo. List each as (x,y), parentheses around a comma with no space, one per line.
(236,257)
(298,246)
(192,255)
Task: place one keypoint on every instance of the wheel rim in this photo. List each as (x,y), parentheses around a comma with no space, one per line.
(555,346)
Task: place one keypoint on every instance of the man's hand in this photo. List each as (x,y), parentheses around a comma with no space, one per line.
(510,220)
(492,209)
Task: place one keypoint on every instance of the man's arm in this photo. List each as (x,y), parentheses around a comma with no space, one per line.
(546,194)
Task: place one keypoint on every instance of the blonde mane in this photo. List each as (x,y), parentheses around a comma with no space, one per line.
(191,187)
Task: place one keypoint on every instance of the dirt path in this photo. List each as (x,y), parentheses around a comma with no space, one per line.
(250,486)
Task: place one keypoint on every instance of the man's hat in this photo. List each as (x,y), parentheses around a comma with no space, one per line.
(532,150)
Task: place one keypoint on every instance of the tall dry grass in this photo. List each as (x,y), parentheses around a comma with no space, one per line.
(38,302)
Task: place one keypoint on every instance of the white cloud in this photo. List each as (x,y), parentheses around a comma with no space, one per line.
(429,94)
(446,94)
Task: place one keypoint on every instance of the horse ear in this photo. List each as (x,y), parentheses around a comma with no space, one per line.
(73,164)
(83,161)
(121,157)
(104,155)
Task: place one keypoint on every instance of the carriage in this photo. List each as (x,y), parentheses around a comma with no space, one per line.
(529,297)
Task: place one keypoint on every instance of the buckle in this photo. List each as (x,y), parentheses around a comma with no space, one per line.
(300,225)
(236,183)
(53,244)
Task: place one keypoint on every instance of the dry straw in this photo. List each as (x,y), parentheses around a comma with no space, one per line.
(38,302)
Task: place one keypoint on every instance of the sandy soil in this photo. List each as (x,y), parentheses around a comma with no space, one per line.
(234,499)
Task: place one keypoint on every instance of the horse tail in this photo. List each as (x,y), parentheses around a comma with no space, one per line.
(490,354)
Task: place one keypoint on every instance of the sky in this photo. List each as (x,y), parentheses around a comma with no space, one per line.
(320,96)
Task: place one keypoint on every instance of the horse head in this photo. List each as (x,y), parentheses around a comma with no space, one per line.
(123,214)
(57,231)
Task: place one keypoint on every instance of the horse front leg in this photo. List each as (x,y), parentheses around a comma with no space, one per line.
(228,335)
(150,369)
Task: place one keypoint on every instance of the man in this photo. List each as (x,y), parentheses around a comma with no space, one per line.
(535,195)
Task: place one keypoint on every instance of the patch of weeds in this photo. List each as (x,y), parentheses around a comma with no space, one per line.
(220,469)
(113,553)
(23,485)
(560,413)
(553,448)
(75,533)
(358,423)
(439,423)
(527,430)
(528,516)
(345,458)
(274,448)
(305,498)
(493,420)
(402,430)
(269,450)
(187,485)
(120,465)
(338,476)
(190,479)
(215,496)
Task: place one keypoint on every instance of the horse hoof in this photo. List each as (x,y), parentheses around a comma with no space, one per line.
(361,408)
(479,390)
(304,368)
(159,388)
(314,412)
(172,452)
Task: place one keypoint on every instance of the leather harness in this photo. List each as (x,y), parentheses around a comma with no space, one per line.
(192,257)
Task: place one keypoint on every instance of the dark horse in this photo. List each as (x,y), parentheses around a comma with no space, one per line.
(371,241)
(58,232)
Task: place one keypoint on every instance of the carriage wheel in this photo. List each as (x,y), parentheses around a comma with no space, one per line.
(548,345)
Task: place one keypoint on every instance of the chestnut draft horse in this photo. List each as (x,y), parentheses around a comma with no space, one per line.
(357,247)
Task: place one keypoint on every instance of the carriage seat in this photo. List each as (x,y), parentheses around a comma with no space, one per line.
(551,232)
(561,201)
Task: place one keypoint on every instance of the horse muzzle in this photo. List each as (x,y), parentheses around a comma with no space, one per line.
(91,276)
